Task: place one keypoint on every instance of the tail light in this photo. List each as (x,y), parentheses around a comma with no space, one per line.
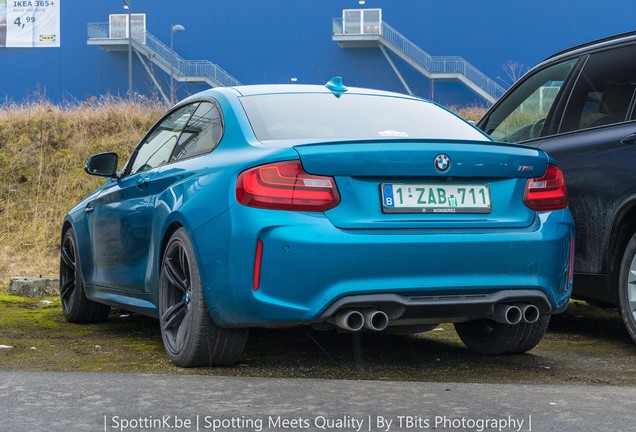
(286,186)
(547,192)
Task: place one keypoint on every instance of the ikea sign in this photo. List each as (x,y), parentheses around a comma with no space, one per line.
(29,23)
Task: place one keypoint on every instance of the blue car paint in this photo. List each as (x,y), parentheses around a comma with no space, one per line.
(312,259)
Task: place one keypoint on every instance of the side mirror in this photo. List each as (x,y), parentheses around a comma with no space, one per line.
(102,164)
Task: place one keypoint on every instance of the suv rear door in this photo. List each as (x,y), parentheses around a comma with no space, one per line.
(595,149)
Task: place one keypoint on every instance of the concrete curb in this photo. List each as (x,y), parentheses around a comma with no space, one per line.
(34,287)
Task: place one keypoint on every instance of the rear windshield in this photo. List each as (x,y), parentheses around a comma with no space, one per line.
(317,116)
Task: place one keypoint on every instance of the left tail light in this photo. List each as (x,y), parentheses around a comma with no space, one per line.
(547,192)
(286,186)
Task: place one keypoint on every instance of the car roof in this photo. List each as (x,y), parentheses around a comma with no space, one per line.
(266,89)
(252,90)
(603,43)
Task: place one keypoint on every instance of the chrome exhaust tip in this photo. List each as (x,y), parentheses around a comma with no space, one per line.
(375,320)
(530,313)
(508,314)
(350,320)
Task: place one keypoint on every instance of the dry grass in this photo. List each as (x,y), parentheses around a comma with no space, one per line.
(43,148)
(472,113)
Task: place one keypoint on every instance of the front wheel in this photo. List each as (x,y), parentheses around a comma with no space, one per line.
(627,288)
(190,336)
(489,337)
(76,306)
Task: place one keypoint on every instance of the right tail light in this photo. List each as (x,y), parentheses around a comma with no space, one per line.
(547,192)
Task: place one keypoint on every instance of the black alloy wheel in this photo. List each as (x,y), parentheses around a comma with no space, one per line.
(76,306)
(190,336)
(67,271)
(176,297)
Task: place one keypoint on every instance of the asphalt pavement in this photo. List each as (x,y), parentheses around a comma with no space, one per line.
(40,401)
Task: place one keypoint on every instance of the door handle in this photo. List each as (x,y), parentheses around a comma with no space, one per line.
(630,140)
(142,182)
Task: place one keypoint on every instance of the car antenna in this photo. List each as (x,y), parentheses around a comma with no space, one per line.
(336,86)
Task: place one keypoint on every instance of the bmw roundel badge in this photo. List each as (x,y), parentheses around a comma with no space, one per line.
(442,163)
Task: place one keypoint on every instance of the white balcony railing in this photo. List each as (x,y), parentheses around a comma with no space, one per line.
(157,51)
(435,65)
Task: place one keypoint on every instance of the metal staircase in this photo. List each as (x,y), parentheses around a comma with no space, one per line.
(435,68)
(149,47)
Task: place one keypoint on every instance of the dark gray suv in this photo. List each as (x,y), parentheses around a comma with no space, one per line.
(579,107)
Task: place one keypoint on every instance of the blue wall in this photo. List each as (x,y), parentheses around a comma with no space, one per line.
(271,41)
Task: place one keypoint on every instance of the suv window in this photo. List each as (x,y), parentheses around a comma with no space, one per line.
(202,134)
(156,149)
(522,115)
(603,95)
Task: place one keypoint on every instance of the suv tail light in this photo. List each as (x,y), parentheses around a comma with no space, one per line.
(547,192)
(286,186)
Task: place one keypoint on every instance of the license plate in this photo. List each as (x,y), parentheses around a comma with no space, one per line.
(435,198)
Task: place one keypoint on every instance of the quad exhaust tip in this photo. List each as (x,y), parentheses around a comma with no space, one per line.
(354,320)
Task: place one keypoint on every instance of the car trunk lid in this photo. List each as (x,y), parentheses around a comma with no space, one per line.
(495,174)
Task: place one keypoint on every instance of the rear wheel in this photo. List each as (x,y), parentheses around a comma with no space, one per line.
(489,337)
(76,307)
(190,336)
(627,288)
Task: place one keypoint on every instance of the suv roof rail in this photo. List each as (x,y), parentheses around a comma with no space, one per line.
(592,43)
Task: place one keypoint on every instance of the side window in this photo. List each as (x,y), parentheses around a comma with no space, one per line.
(202,133)
(604,92)
(521,116)
(159,145)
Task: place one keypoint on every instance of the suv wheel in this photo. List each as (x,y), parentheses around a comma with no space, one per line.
(627,287)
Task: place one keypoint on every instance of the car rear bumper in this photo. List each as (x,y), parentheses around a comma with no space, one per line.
(431,309)
(309,268)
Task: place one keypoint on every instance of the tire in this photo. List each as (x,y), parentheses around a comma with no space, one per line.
(76,306)
(190,336)
(492,338)
(627,288)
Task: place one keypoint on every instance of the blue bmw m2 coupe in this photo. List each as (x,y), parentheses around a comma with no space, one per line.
(294,205)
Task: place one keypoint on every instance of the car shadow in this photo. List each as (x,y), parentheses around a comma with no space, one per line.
(590,322)
(305,352)
(422,357)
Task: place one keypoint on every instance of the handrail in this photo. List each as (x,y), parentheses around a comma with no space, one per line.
(160,51)
(433,64)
